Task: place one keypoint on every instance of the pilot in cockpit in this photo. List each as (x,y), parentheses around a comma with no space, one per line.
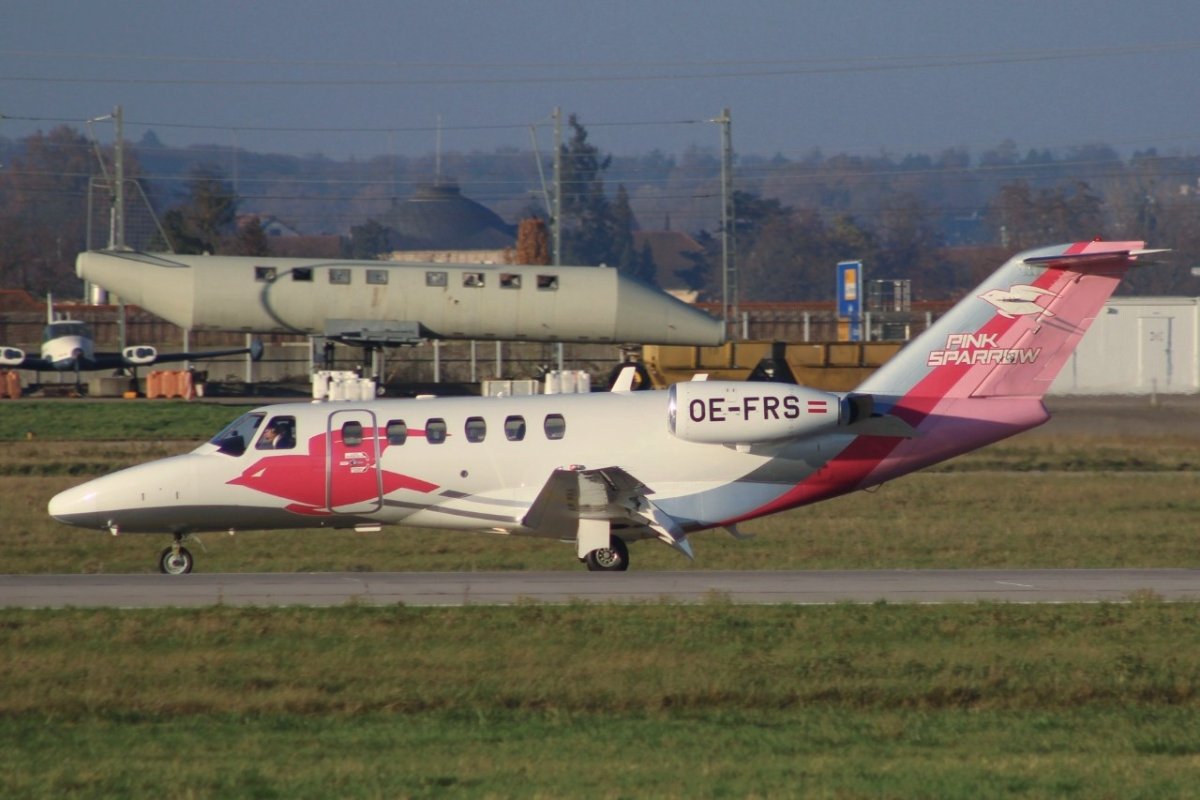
(278,435)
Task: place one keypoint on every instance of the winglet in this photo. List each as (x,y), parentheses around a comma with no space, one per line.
(624,381)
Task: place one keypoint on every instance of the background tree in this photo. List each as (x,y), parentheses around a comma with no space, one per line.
(251,239)
(369,240)
(1021,218)
(909,246)
(200,224)
(43,211)
(630,260)
(587,225)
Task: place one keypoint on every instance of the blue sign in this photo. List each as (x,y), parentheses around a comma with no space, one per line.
(849,295)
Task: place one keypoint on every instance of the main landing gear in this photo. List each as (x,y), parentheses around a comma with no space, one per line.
(614,558)
(176,559)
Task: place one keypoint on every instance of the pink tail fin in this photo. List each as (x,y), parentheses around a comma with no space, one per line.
(1013,334)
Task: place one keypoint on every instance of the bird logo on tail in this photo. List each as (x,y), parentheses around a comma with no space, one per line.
(1018,301)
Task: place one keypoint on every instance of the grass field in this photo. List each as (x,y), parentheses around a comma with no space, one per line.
(596,701)
(624,701)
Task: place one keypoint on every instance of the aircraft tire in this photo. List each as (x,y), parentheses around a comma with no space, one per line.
(172,563)
(614,558)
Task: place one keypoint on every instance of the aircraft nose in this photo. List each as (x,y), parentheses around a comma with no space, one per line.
(75,506)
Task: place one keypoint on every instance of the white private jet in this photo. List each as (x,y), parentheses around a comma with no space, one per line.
(69,346)
(606,469)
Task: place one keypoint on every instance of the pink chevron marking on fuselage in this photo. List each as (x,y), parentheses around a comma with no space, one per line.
(301,477)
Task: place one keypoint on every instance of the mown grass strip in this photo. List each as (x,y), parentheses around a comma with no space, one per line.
(593,659)
(1088,753)
(599,701)
(83,420)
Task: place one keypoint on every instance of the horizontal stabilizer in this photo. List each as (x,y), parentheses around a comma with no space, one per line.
(1080,260)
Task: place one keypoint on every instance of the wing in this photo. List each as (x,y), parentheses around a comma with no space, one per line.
(144,356)
(255,350)
(573,498)
(16,358)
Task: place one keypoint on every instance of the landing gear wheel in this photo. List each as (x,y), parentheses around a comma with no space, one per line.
(175,560)
(614,558)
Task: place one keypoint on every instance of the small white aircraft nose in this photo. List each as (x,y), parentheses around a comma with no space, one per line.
(68,506)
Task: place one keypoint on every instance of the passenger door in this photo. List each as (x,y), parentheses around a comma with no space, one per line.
(355,484)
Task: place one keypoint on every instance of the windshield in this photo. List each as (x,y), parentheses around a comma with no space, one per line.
(70,327)
(233,437)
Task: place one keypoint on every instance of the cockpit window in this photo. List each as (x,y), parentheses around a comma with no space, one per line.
(233,437)
(68,327)
(280,434)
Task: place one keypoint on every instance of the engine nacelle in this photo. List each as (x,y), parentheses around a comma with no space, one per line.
(728,412)
(140,355)
(11,356)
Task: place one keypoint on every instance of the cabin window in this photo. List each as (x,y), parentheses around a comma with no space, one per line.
(435,431)
(279,434)
(476,429)
(378,277)
(264,274)
(510,280)
(473,280)
(397,431)
(339,276)
(302,274)
(514,428)
(352,434)
(437,279)
(547,283)
(555,426)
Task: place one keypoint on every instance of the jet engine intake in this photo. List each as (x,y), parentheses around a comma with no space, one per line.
(728,412)
(139,355)
(11,356)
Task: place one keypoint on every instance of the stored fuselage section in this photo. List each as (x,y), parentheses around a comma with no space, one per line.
(438,301)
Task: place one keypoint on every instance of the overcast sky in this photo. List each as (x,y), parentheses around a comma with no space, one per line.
(367,77)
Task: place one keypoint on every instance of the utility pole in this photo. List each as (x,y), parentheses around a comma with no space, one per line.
(118,238)
(729,276)
(558,186)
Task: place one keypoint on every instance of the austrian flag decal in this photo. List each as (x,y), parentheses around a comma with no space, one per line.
(818,406)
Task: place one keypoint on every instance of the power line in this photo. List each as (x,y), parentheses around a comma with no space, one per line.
(760,67)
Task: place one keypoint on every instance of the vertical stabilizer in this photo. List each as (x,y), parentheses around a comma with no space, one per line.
(1012,335)
(979,373)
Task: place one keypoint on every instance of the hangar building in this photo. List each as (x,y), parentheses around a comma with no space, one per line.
(1138,345)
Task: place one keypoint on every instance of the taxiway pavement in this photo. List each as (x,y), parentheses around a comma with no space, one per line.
(500,588)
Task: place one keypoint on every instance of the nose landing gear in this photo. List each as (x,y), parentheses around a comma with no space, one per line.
(176,559)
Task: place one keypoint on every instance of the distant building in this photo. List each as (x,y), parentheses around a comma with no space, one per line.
(438,217)
(272,226)
(1137,345)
